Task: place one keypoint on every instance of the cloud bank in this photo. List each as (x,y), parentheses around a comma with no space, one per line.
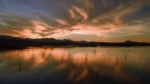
(91,20)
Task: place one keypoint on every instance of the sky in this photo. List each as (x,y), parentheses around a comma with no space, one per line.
(79,20)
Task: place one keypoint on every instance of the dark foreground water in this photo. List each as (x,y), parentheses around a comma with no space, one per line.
(76,66)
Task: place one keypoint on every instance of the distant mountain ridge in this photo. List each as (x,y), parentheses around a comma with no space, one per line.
(8,42)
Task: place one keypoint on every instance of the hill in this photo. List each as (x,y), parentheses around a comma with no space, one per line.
(8,42)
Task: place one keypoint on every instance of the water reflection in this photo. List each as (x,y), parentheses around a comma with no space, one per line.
(75,65)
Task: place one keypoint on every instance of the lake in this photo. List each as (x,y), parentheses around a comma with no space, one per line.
(77,65)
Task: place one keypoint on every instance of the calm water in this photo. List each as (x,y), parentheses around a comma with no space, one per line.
(75,66)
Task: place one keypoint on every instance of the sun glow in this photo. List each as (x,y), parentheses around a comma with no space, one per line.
(76,20)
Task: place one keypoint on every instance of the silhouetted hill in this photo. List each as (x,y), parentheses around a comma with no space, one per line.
(8,42)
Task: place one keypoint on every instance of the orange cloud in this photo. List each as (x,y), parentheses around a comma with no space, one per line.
(26,33)
(40,26)
(103,26)
(78,13)
(62,22)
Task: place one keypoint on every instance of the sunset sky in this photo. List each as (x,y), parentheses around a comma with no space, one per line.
(90,20)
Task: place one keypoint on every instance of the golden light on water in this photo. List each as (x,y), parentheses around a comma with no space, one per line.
(80,62)
(40,56)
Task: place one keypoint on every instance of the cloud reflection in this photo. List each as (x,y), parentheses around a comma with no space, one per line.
(81,62)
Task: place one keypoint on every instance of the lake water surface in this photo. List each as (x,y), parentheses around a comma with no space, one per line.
(78,65)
